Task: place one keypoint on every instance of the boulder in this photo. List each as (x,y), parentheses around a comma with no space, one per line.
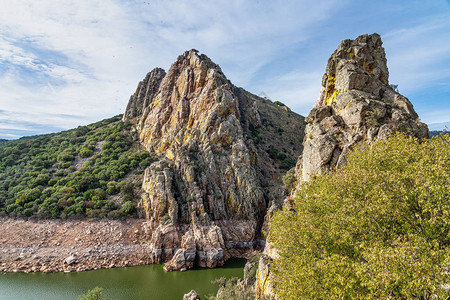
(70,260)
(192,295)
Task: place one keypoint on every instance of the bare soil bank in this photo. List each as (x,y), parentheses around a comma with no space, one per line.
(66,246)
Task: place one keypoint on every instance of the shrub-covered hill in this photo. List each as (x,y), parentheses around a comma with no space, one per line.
(90,171)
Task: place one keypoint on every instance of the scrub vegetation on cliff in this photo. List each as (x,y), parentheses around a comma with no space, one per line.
(88,171)
(376,228)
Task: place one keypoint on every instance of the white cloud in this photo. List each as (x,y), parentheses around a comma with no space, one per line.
(108,46)
(73,62)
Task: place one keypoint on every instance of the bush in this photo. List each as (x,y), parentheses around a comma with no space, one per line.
(112,188)
(42,179)
(126,188)
(128,208)
(94,294)
(94,213)
(115,214)
(85,152)
(376,228)
(289,180)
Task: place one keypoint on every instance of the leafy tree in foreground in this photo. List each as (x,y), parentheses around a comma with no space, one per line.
(376,228)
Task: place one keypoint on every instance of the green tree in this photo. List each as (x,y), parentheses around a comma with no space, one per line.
(376,228)
(94,294)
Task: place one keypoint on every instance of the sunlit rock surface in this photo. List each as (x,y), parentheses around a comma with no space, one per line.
(224,151)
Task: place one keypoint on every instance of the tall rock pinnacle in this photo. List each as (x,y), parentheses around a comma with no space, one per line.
(356,104)
(207,198)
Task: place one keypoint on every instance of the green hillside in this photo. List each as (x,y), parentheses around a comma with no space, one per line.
(91,171)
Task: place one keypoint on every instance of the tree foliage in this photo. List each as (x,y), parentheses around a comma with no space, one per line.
(376,228)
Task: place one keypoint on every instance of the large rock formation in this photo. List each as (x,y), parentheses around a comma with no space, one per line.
(356,104)
(224,153)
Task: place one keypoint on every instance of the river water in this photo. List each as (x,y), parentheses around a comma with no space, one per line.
(141,282)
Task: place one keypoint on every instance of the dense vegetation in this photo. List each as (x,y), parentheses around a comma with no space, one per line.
(376,228)
(76,173)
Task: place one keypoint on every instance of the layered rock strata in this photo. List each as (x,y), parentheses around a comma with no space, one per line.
(222,166)
(356,104)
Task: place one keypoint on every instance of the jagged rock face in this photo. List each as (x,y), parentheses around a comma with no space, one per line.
(356,104)
(145,92)
(207,198)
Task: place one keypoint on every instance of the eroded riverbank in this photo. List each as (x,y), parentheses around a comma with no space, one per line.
(76,245)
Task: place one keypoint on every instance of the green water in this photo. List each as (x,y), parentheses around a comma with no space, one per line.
(142,282)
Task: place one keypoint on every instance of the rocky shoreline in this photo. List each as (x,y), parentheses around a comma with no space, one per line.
(68,246)
(79,245)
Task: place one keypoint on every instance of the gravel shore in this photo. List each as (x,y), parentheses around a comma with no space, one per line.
(76,245)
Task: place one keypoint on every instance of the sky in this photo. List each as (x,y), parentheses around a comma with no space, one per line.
(69,63)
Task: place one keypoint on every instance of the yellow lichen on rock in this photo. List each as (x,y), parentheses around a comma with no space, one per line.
(186,137)
(332,98)
(332,93)
(331,80)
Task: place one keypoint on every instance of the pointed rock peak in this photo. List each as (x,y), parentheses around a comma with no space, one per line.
(356,104)
(156,72)
(188,75)
(193,59)
(358,64)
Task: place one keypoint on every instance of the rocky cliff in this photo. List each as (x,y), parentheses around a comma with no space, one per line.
(223,152)
(356,104)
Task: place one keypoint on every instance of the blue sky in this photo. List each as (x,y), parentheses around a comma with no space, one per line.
(70,63)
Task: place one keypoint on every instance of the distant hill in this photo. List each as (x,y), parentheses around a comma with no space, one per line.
(24,138)
(435,132)
(439,126)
